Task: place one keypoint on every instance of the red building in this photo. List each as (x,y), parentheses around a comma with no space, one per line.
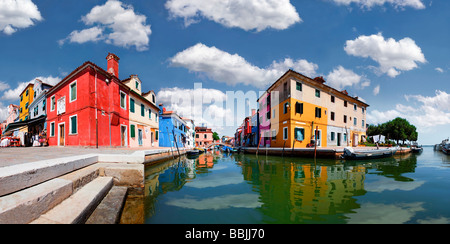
(89,107)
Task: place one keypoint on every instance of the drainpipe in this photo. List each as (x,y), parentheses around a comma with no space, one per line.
(96,110)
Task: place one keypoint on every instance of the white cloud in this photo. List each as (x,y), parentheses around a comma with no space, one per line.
(392,56)
(233,69)
(341,77)
(376,90)
(13,94)
(245,200)
(440,70)
(200,104)
(245,14)
(3,86)
(368,4)
(92,34)
(116,23)
(17,14)
(422,111)
(3,112)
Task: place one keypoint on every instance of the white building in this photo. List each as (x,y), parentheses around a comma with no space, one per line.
(190,133)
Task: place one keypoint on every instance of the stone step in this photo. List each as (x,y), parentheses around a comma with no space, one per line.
(17,177)
(26,205)
(77,208)
(110,209)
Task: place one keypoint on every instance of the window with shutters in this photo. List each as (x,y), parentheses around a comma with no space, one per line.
(299,108)
(73,91)
(132,105)
(132,131)
(73,124)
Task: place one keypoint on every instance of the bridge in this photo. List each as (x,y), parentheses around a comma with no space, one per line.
(219,144)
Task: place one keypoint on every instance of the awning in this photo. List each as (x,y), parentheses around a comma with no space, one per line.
(19,124)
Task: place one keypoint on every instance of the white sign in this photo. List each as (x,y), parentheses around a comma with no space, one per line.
(61,106)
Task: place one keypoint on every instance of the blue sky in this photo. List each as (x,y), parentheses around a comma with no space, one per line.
(393,54)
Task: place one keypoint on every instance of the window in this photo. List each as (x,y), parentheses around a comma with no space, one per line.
(26,94)
(197,136)
(53,103)
(137,85)
(299,134)
(355,121)
(285,107)
(73,91)
(345,103)
(43,105)
(362,122)
(21,98)
(73,124)
(26,106)
(153,98)
(268,115)
(355,107)
(332,136)
(318,112)
(142,110)
(204,136)
(345,118)
(52,129)
(299,108)
(285,133)
(299,86)
(332,116)
(150,114)
(123,98)
(132,105)
(332,99)
(317,93)
(132,131)
(274,134)
(156,135)
(362,109)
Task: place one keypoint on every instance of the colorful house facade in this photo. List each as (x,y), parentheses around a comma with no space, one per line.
(172,129)
(305,111)
(203,136)
(26,98)
(143,115)
(264,119)
(87,108)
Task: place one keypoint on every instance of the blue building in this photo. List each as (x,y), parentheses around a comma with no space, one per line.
(171,129)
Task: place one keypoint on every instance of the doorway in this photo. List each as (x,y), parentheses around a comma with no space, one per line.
(140,137)
(61,135)
(123,135)
(318,134)
(339,135)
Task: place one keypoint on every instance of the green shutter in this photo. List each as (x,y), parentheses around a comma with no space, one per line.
(132,105)
(52,129)
(132,131)
(142,110)
(73,92)
(73,122)
(157,135)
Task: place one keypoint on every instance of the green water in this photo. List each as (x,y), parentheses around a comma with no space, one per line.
(245,189)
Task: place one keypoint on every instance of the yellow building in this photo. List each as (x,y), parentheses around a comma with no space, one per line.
(303,108)
(26,98)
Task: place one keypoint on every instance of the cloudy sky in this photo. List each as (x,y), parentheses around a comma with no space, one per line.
(209,59)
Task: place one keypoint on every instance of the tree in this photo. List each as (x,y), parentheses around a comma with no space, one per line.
(216,136)
(398,129)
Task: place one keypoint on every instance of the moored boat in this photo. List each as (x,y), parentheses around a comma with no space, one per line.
(446,148)
(350,153)
(193,152)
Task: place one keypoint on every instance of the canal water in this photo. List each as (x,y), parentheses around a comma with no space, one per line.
(216,188)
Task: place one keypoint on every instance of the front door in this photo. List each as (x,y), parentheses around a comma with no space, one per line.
(318,137)
(140,137)
(123,135)
(339,135)
(62,133)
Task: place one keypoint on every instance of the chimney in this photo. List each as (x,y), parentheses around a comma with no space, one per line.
(113,64)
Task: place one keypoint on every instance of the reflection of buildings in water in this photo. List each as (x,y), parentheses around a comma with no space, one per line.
(205,160)
(302,191)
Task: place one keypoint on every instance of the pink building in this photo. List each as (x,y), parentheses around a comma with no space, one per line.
(203,136)
(264,119)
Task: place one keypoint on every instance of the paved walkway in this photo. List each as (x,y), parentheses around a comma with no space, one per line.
(20,155)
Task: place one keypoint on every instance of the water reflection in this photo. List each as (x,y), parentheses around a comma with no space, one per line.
(282,190)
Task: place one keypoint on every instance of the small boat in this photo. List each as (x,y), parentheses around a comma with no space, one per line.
(193,152)
(416,149)
(350,153)
(446,149)
(200,150)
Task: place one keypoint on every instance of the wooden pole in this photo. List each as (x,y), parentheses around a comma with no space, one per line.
(257,149)
(315,142)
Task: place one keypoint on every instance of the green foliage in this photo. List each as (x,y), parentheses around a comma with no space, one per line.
(398,129)
(216,136)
